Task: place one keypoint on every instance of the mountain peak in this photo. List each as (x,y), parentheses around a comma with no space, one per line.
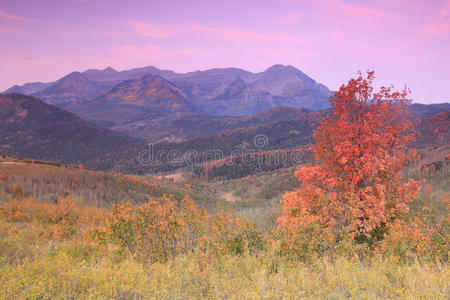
(71,88)
(278,77)
(152,91)
(73,80)
(109,69)
(285,69)
(151,81)
(102,75)
(73,76)
(277,66)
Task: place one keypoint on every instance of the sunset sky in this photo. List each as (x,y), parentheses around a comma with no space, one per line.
(404,41)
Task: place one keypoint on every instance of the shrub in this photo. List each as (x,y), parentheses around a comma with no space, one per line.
(419,235)
(250,240)
(61,218)
(158,230)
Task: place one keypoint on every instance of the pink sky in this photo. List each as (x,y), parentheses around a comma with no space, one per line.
(404,41)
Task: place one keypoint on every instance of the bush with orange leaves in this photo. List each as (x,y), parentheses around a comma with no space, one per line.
(60,217)
(158,230)
(355,191)
(419,234)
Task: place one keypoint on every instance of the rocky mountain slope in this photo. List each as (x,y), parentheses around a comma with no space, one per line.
(134,100)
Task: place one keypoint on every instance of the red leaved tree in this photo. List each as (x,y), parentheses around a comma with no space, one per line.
(355,188)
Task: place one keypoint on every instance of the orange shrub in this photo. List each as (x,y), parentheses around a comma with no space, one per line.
(30,209)
(418,236)
(60,219)
(161,229)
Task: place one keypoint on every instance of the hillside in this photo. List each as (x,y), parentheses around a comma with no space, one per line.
(28,88)
(169,156)
(179,126)
(50,181)
(182,126)
(34,129)
(419,110)
(279,135)
(29,126)
(433,130)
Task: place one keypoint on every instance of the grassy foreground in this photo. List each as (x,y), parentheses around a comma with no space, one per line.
(46,254)
(64,273)
(35,265)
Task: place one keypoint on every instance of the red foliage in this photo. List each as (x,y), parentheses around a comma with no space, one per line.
(355,188)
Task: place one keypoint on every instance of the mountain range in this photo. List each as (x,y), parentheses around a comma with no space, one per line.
(142,101)
(32,128)
(105,118)
(227,91)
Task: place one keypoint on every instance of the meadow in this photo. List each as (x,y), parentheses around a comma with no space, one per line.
(47,251)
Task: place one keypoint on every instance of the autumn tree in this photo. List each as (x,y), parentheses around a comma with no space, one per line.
(355,189)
